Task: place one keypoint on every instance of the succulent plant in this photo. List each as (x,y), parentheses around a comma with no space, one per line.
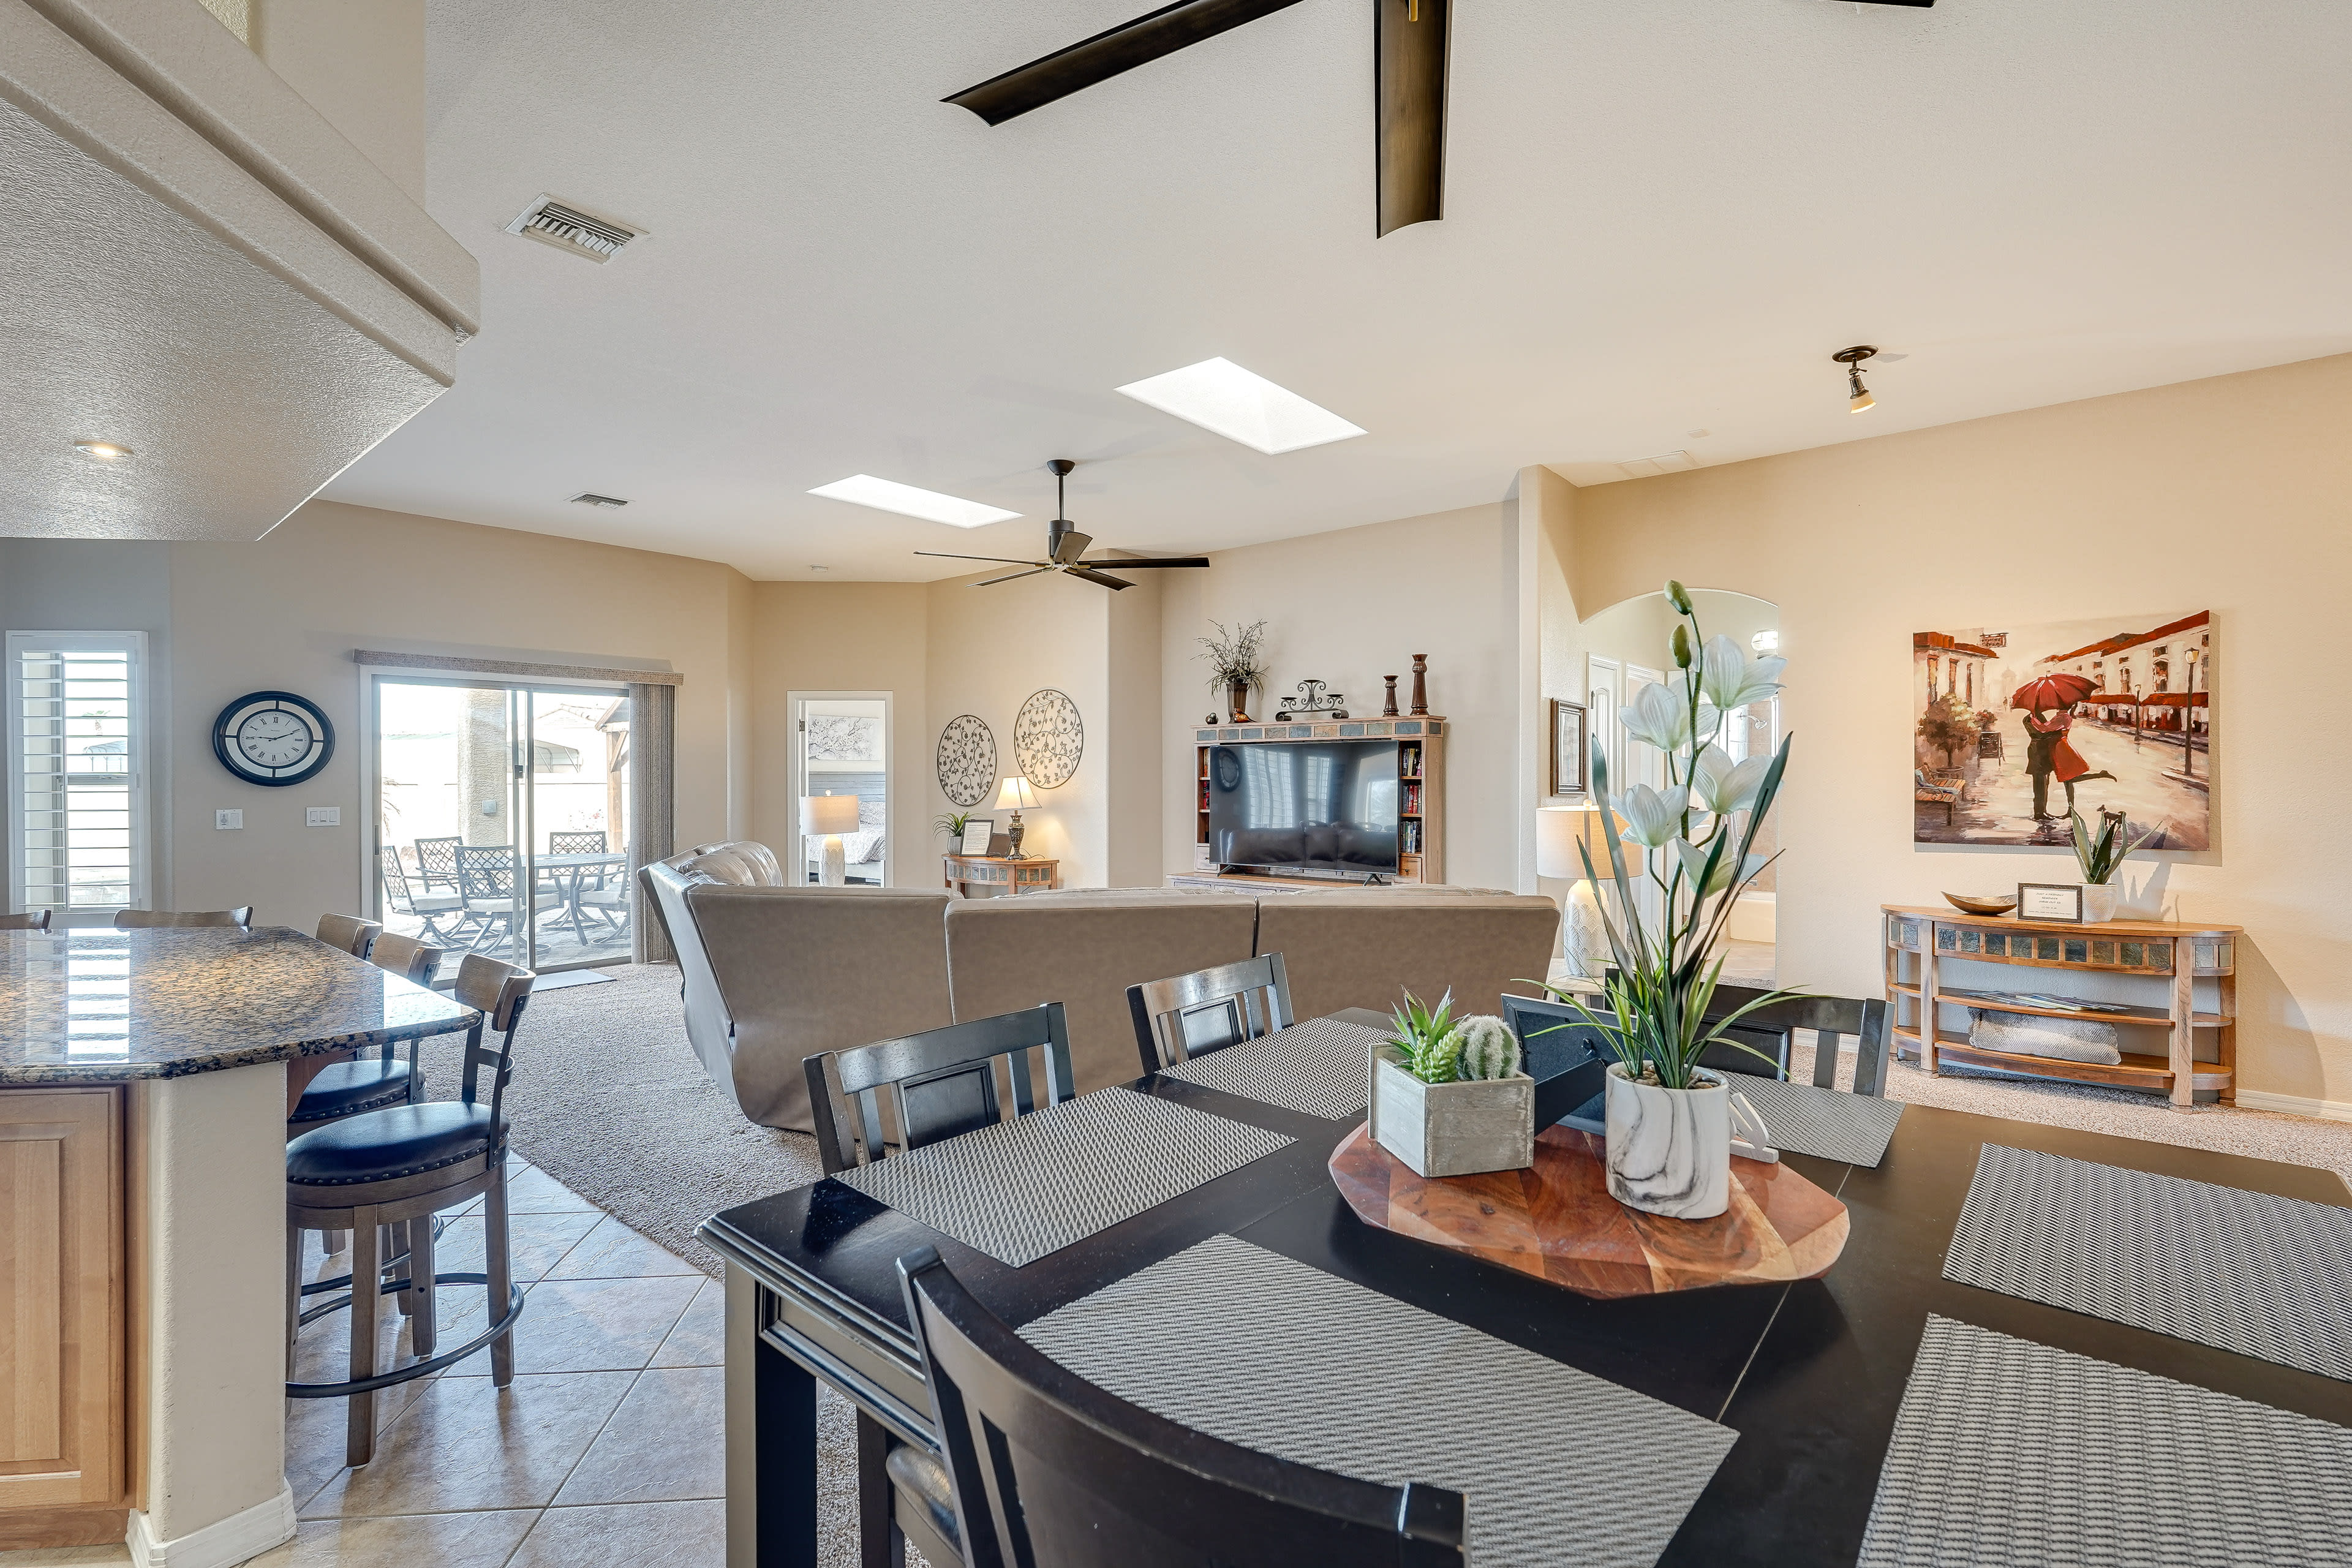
(1431,1044)
(1489,1049)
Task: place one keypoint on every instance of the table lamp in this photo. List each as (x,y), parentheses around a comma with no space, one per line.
(1014,796)
(832,816)
(1584,938)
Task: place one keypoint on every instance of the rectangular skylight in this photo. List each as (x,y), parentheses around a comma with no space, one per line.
(883,495)
(1218,395)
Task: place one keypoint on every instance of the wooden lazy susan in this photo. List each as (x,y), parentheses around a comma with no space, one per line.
(1557,1221)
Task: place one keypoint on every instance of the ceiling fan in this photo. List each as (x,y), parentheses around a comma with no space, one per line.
(1064,546)
(1409,39)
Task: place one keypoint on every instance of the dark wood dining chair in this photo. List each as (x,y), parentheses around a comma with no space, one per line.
(937,1084)
(1770,1029)
(1047,1470)
(154,920)
(1209,1009)
(30,919)
(350,932)
(401,1166)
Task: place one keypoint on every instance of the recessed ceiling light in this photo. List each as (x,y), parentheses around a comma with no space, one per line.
(883,495)
(110,451)
(590,498)
(1220,395)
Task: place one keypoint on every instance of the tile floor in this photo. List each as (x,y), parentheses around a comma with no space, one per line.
(608,1447)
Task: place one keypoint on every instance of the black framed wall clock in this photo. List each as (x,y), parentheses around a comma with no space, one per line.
(273,738)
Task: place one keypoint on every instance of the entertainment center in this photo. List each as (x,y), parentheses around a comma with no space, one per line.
(1321,804)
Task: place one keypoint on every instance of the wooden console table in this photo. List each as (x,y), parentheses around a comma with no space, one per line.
(1930,954)
(1030,874)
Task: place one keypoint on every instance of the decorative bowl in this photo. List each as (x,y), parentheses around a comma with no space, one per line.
(1973,904)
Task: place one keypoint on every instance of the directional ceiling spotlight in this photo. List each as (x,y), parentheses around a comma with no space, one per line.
(1065,546)
(1851,359)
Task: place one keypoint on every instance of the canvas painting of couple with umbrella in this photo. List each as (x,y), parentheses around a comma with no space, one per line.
(2016,727)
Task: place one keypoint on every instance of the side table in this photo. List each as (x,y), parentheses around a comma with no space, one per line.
(1030,874)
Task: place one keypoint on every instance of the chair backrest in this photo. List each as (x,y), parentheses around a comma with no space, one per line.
(1052,1471)
(31,920)
(396,882)
(140,920)
(350,932)
(499,991)
(938,1083)
(1568,1058)
(406,957)
(582,843)
(486,871)
(1770,1029)
(1209,1009)
(437,858)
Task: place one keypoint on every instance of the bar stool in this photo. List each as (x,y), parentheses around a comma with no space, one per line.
(347,1088)
(406,1163)
(350,932)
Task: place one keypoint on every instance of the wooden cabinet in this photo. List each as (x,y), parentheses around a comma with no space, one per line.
(1420,782)
(61,1300)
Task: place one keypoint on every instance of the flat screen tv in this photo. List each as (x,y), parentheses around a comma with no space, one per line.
(1304,806)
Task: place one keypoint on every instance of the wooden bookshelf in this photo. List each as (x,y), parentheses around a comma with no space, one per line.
(1420,762)
(1933,959)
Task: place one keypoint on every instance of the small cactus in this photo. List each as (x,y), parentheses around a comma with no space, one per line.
(1489,1049)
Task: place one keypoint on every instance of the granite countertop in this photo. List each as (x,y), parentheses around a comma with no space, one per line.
(104,1007)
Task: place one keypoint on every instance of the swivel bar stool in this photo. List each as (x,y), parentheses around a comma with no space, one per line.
(408,1163)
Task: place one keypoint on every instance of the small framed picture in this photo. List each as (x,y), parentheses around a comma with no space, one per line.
(2050,901)
(1571,776)
(977,833)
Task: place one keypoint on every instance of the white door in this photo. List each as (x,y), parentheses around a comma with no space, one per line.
(841,745)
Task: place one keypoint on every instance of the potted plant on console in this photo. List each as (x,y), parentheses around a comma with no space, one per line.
(2101,854)
(1449,1099)
(1668,1119)
(1237,663)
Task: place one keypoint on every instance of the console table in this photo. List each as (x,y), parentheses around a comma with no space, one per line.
(2191,972)
(1030,874)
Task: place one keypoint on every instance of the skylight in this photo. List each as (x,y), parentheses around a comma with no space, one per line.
(883,495)
(1219,395)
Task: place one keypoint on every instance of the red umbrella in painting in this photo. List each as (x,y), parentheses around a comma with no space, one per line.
(2060,691)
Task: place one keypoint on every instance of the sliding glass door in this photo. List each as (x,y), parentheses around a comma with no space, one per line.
(502,819)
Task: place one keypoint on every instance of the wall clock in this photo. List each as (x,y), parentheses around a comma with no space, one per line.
(1048,738)
(273,738)
(967,760)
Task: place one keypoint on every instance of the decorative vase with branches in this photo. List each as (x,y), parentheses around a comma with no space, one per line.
(1237,664)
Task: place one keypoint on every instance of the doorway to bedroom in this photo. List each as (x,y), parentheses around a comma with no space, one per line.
(840,746)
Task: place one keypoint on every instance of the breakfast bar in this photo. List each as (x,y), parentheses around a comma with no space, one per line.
(143,1248)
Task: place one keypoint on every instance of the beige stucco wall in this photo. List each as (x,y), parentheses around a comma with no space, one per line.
(2232,494)
(1348,607)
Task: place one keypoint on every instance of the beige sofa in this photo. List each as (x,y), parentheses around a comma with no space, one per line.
(774,973)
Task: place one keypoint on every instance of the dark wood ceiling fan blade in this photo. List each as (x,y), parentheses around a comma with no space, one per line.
(1009,576)
(1104,578)
(1070,544)
(1105,55)
(1412,43)
(1000,560)
(1125,565)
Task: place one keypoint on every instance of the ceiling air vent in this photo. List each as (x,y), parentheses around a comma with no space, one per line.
(568,227)
(1663,463)
(590,498)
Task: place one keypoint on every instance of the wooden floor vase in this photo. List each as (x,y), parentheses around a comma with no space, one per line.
(1557,1221)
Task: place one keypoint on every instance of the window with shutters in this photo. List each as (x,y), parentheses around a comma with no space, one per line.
(77,745)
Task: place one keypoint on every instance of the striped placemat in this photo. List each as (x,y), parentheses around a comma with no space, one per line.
(1830,1122)
(2250,1272)
(2008,1454)
(1321,1067)
(1021,1189)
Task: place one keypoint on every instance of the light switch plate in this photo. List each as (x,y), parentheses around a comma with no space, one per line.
(322,817)
(228,819)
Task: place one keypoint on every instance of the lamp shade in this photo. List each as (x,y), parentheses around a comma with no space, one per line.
(1015,795)
(1558,830)
(828,814)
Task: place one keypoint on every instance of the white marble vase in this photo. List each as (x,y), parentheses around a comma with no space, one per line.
(1669,1148)
(2098,902)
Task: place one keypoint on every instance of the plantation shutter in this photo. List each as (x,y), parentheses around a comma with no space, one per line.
(76,772)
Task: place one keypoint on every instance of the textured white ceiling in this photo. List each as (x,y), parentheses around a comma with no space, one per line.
(1662,216)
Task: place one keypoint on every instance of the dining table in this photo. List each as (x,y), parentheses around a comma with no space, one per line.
(1805,1382)
(144,1090)
(570,871)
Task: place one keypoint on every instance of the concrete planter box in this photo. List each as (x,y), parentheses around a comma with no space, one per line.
(1452,1129)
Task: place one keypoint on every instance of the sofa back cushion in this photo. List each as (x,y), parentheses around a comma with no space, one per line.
(1368,949)
(1084,949)
(802,969)
(743,862)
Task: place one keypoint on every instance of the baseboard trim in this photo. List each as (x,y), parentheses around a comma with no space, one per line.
(240,1538)
(2295,1105)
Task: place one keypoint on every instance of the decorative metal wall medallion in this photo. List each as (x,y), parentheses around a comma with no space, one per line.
(1048,738)
(967,760)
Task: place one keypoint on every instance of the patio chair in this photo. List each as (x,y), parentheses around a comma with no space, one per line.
(488,882)
(436,863)
(400,898)
(582,843)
